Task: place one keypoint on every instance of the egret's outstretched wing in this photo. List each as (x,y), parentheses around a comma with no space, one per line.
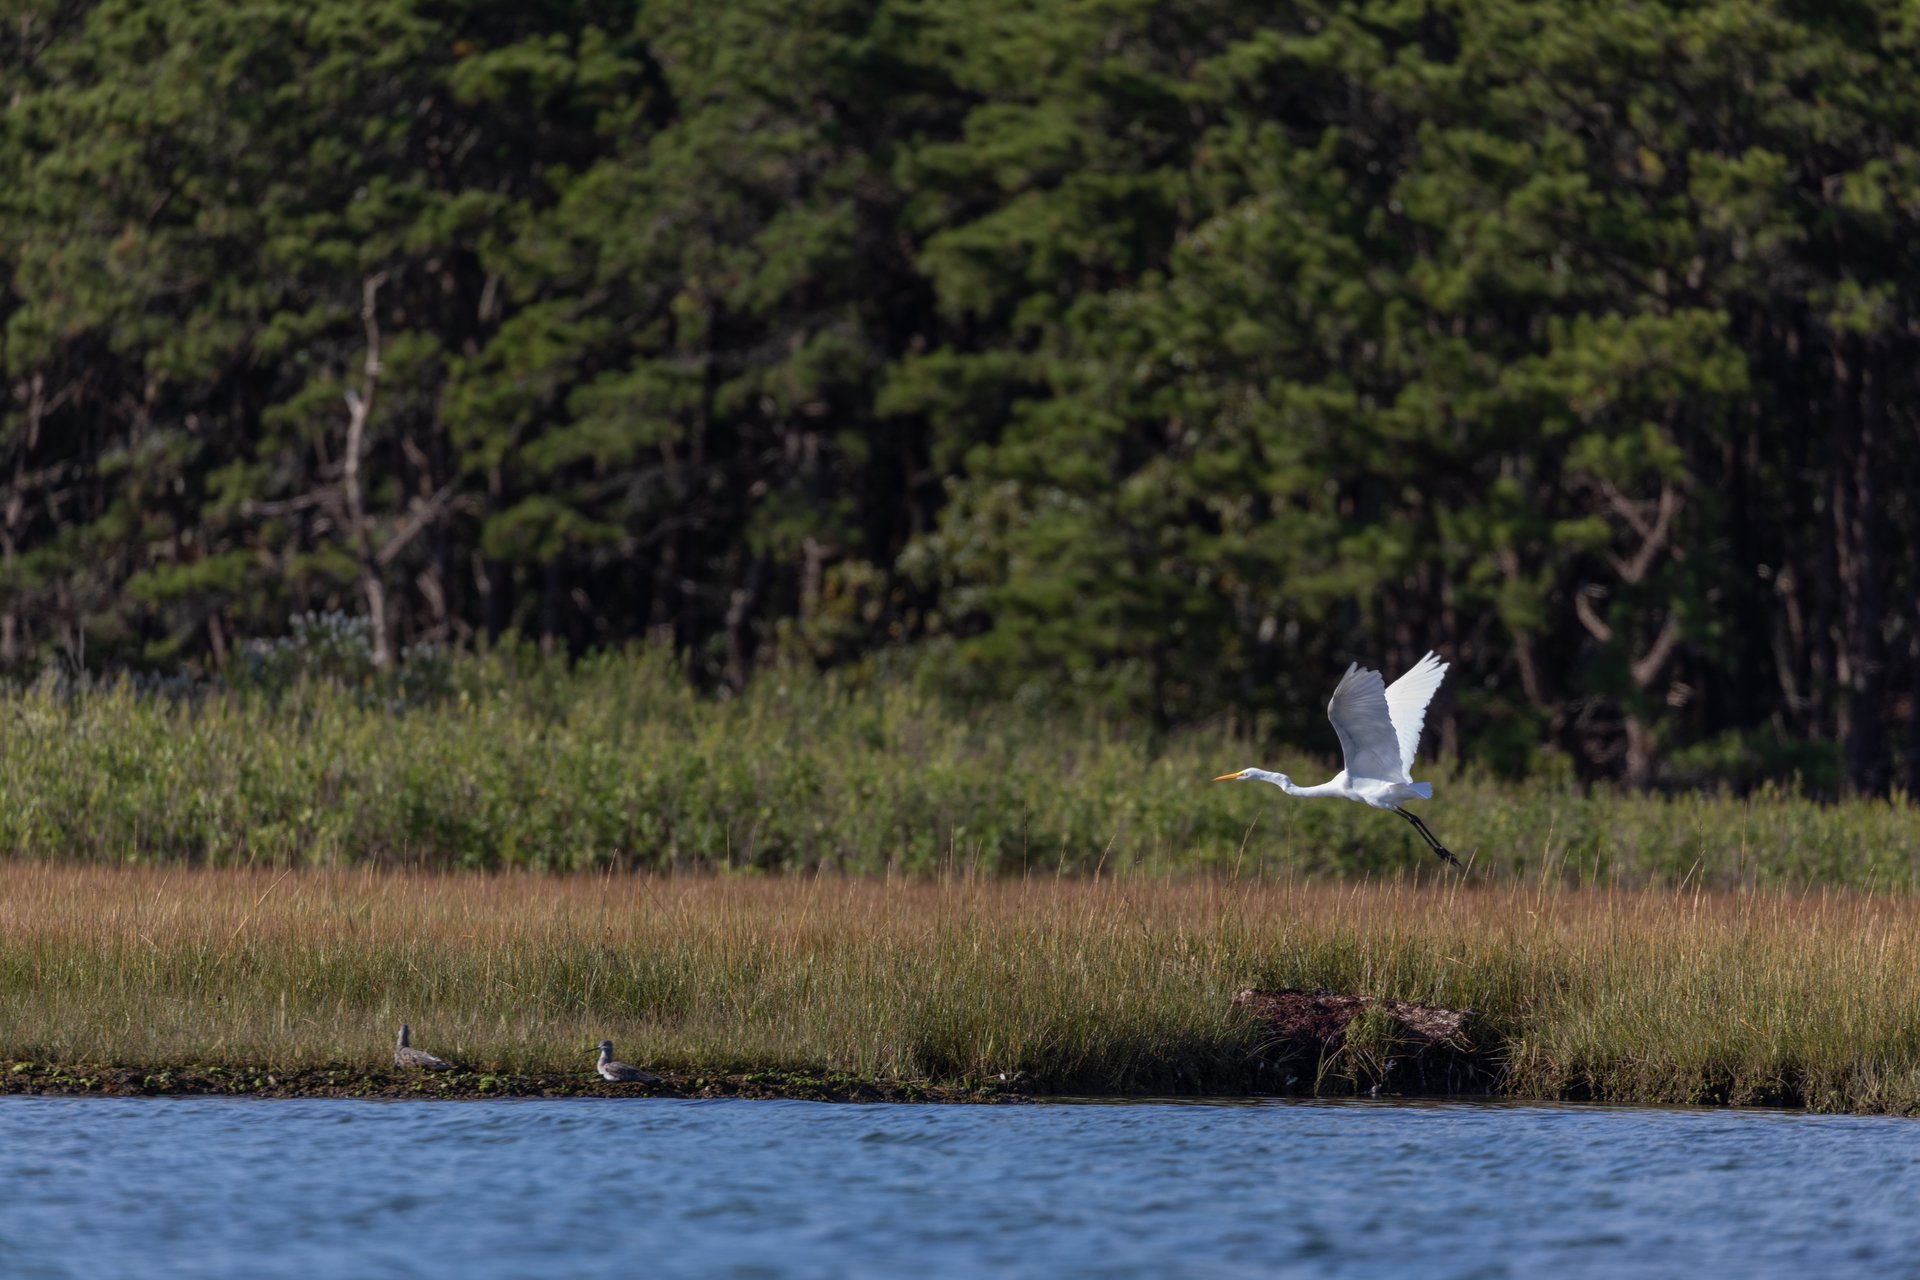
(1407,700)
(1360,716)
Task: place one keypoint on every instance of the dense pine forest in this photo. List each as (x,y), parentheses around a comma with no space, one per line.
(1128,357)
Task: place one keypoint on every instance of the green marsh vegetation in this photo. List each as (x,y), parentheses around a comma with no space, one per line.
(1156,356)
(1110,985)
(512,760)
(819,874)
(965,396)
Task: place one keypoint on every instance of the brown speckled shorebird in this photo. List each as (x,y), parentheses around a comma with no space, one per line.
(617,1071)
(408,1058)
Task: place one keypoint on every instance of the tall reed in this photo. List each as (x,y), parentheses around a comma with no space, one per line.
(1112,985)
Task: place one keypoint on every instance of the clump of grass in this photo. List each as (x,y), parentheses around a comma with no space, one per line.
(1367,1051)
(510,760)
(1108,986)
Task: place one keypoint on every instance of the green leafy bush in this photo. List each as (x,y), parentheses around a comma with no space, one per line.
(517,759)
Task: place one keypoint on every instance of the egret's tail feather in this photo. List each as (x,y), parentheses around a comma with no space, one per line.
(1422,789)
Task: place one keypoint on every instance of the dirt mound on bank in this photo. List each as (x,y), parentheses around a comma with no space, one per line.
(1330,1042)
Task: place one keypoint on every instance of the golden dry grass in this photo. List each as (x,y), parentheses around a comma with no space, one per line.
(1655,996)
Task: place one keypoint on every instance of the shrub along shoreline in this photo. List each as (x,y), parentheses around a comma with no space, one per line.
(143,980)
(510,760)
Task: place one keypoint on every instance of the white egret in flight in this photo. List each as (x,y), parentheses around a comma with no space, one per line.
(1379,726)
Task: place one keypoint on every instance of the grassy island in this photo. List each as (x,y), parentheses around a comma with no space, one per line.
(969,987)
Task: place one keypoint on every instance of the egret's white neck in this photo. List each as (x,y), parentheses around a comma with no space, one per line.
(1293,788)
(1279,780)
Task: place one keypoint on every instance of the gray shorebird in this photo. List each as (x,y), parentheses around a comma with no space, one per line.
(611,1070)
(408,1058)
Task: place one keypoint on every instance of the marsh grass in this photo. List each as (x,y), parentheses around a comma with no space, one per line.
(1111,985)
(512,760)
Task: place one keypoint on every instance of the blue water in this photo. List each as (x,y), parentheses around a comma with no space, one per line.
(156,1187)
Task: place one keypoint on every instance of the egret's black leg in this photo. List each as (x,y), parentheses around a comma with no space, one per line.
(1428,836)
(1415,825)
(1433,842)
(1426,833)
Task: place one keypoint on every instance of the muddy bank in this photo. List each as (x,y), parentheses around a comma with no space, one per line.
(1298,1043)
(348,1082)
(1292,1043)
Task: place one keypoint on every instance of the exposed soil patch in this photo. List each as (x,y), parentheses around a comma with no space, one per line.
(349,1082)
(1323,1015)
(1327,1042)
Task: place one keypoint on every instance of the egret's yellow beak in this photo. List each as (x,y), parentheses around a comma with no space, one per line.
(1228,777)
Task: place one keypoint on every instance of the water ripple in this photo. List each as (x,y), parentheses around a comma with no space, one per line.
(210,1187)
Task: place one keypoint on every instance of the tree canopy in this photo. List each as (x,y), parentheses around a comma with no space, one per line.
(1105,353)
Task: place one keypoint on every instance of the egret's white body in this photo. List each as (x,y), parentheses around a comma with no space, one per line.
(1379,726)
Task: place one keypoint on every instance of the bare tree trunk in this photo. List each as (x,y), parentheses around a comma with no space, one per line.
(660,590)
(1530,683)
(359,528)
(10,522)
(1910,774)
(490,576)
(1639,752)
(217,638)
(739,609)
(1823,659)
(1645,670)
(812,574)
(1856,516)
(1655,529)
(1910,779)
(13,520)
(1790,644)
(436,580)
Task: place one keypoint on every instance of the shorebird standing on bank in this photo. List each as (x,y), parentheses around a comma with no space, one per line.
(408,1058)
(616,1071)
